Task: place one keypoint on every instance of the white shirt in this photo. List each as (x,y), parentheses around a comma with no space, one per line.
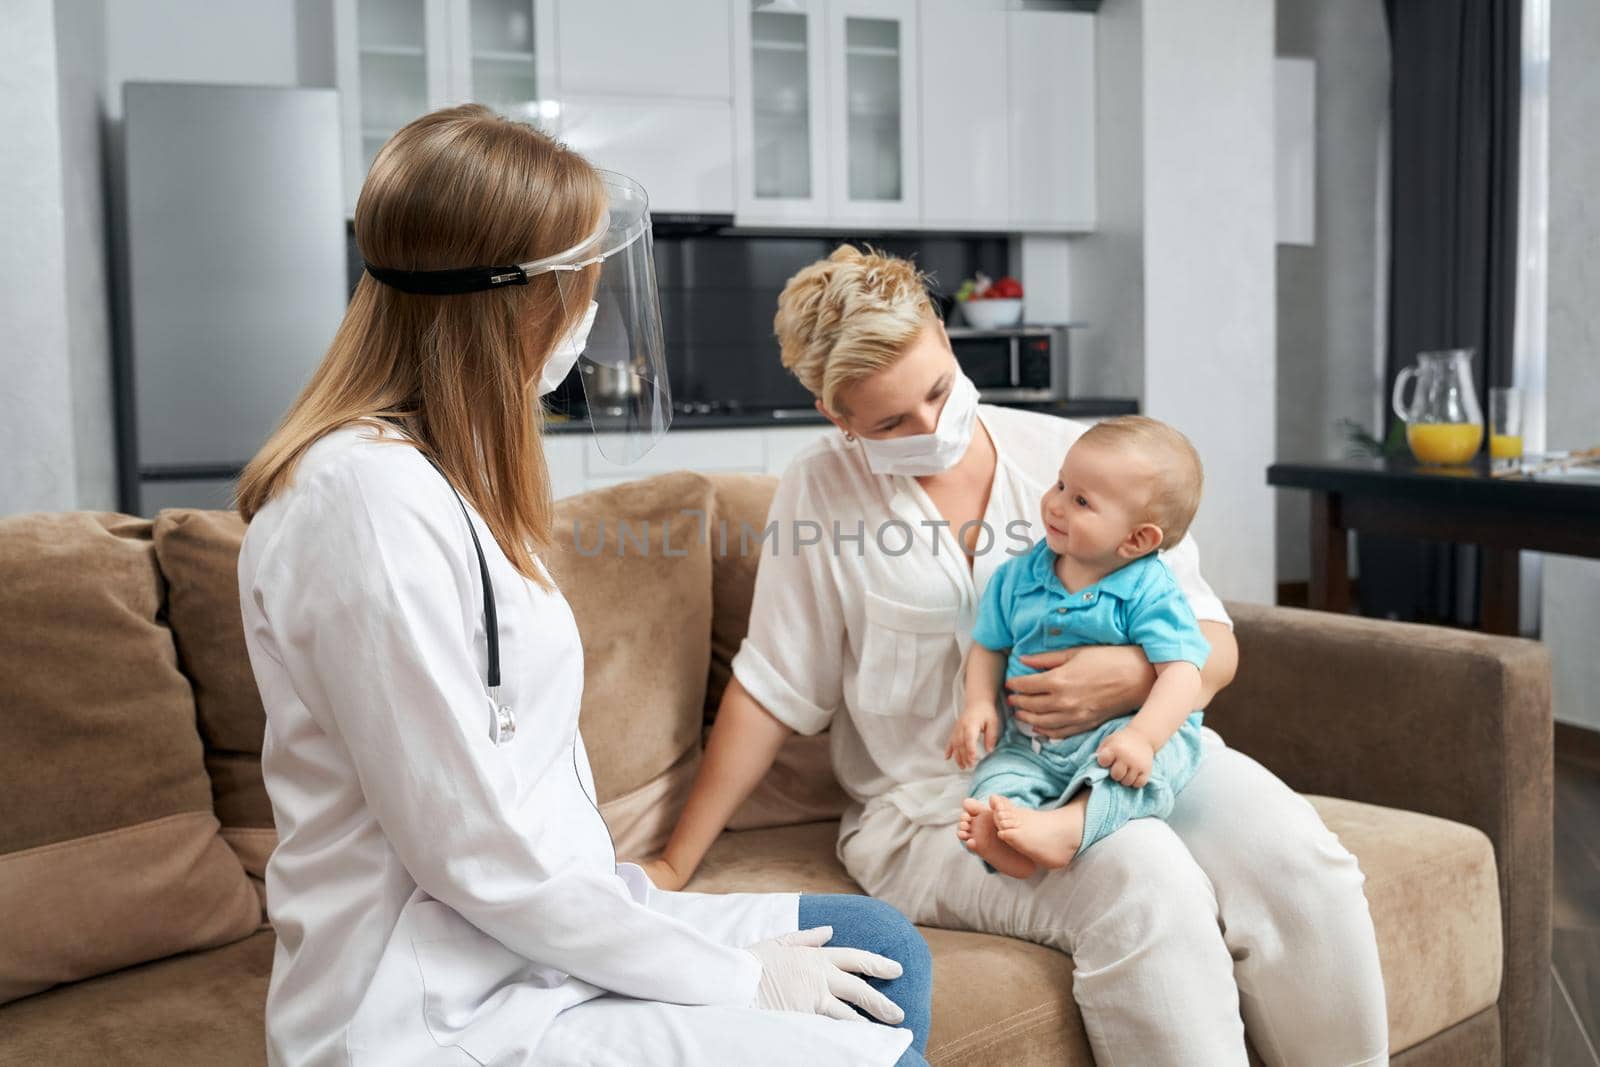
(881,634)
(430,888)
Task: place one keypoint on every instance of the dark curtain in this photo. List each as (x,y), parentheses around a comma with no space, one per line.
(1454,101)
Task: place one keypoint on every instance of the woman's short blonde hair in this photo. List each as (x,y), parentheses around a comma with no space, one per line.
(849,316)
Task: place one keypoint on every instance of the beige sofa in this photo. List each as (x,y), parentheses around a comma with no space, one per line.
(136,827)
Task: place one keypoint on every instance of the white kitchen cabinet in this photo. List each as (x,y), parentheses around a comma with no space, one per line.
(398,59)
(914,114)
(503,53)
(577,465)
(874,124)
(564,455)
(391,66)
(780,80)
(826,112)
(1052,93)
(680,150)
(966,137)
(784,443)
(694,450)
(646,48)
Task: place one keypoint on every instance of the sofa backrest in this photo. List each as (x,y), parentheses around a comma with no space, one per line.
(143,620)
(109,851)
(801,786)
(643,609)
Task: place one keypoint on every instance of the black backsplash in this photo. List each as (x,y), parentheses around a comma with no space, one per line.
(719,293)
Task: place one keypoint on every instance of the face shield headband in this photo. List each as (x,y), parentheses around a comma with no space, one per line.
(623,363)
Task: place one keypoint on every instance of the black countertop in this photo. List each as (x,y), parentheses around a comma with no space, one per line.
(1083,408)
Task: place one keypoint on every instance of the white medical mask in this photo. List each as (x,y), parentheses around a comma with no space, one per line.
(929,453)
(566,353)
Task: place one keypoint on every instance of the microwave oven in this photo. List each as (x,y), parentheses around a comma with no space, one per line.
(1014,363)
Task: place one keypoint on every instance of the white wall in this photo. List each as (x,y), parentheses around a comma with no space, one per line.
(1210,362)
(1107,266)
(229,42)
(62,67)
(36,427)
(1571,608)
(1178,281)
(1329,306)
(81,74)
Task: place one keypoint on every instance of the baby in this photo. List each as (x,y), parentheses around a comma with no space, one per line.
(1128,487)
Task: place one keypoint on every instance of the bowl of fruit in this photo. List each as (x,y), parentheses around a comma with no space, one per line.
(990,305)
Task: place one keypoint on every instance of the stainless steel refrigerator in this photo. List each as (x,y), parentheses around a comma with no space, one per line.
(233,278)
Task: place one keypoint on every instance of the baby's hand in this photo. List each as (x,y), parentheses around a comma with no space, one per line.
(1128,755)
(978,721)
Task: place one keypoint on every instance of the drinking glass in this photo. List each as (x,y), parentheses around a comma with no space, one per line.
(1505,427)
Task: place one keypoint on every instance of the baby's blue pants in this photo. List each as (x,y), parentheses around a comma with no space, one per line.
(1046,774)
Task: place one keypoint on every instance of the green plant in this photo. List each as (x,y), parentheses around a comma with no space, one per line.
(1360,444)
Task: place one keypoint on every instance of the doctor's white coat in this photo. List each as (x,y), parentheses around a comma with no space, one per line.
(439,899)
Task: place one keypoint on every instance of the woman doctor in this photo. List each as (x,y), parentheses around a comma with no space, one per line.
(444,889)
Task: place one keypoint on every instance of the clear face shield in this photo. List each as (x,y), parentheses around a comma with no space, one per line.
(623,364)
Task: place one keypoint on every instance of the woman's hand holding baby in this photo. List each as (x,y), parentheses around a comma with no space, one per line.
(1128,755)
(978,725)
(1077,689)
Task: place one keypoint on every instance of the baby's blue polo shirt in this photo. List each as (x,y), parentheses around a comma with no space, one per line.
(1027,610)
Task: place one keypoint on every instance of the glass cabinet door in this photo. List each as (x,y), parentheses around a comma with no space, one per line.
(392,65)
(392,53)
(874,143)
(507,52)
(779,86)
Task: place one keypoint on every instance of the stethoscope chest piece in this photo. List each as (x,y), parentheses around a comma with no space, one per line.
(502,723)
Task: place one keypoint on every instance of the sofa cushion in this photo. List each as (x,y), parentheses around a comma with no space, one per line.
(644,616)
(800,787)
(199,1008)
(1431,888)
(742,502)
(1435,902)
(995,999)
(199,556)
(643,613)
(109,853)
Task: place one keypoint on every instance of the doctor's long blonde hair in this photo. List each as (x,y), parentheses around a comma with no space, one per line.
(459,187)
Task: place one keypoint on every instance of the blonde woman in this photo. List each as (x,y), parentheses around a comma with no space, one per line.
(444,890)
(1241,905)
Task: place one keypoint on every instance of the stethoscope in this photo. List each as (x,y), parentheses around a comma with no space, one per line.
(502,720)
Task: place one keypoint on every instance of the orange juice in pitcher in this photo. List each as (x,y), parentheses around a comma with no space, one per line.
(1444,424)
(1444,443)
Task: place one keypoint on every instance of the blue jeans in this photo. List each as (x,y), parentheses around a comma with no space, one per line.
(865,923)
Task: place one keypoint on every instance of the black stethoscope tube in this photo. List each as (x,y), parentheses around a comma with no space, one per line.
(491,622)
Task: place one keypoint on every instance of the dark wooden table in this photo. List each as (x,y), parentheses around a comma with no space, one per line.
(1505,516)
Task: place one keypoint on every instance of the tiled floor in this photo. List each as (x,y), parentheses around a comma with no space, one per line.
(1575,971)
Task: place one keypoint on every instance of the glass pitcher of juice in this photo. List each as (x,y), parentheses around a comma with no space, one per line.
(1444,424)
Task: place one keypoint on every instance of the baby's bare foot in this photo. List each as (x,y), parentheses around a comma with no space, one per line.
(1048,838)
(970,809)
(977,831)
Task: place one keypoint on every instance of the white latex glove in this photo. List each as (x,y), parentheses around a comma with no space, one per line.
(798,974)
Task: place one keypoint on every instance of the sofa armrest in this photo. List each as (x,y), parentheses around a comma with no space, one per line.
(1447,722)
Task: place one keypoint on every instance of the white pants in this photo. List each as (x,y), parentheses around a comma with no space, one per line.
(1242,906)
